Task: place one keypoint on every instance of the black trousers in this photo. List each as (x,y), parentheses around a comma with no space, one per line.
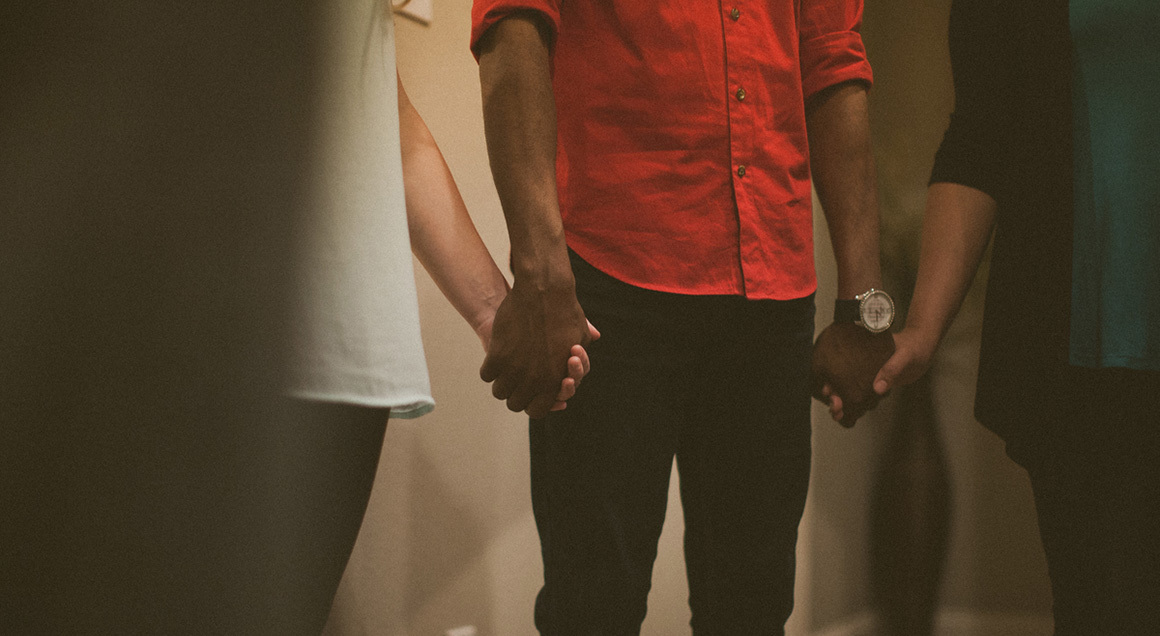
(719,382)
(1095,472)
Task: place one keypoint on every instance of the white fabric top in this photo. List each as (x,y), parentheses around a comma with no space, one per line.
(357,333)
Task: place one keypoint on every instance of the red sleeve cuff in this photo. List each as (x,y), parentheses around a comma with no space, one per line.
(485,13)
(833,58)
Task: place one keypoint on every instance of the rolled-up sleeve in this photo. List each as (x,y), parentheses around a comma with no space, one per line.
(830,44)
(485,13)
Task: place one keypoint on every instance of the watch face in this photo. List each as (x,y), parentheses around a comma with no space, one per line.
(877,311)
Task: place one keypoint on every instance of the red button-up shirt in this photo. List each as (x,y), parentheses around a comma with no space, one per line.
(683,163)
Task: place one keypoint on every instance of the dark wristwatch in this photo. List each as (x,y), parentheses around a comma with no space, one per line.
(872,309)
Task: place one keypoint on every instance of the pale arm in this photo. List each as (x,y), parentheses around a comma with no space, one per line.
(955,231)
(959,219)
(445,240)
(443,237)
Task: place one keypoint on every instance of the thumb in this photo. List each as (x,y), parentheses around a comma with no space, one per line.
(888,374)
(593,333)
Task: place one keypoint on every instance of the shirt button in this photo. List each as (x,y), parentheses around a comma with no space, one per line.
(740,94)
(741,171)
(735,14)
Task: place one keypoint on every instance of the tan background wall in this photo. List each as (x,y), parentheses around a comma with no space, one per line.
(449,538)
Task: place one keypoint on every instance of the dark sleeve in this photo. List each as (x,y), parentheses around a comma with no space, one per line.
(976,150)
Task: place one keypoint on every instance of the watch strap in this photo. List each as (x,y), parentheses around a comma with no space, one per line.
(847,310)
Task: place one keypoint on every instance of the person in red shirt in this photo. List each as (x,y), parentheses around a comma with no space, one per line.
(654,163)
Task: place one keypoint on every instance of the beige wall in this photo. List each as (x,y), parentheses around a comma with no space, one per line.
(449,538)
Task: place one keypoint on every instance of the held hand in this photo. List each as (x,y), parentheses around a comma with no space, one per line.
(578,363)
(846,360)
(911,359)
(528,358)
(578,366)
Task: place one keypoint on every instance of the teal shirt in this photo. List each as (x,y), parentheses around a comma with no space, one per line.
(1115,317)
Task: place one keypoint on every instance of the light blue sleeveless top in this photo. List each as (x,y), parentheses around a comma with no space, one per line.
(1116,259)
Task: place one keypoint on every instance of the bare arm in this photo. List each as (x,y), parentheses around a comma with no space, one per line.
(846,356)
(959,219)
(844,175)
(443,237)
(445,241)
(956,228)
(540,319)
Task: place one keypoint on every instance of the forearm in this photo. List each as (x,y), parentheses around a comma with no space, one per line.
(520,123)
(443,237)
(842,164)
(956,228)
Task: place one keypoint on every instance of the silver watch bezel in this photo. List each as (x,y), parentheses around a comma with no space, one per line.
(863,299)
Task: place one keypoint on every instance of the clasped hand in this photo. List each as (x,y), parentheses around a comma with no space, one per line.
(536,357)
(853,369)
(846,362)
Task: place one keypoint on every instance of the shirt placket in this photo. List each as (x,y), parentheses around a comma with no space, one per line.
(740,77)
